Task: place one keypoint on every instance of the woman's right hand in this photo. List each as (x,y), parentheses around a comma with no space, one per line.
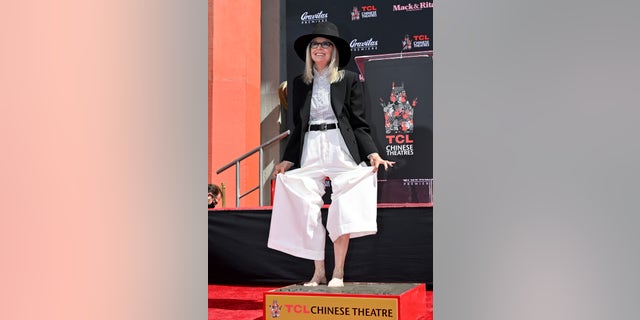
(282,167)
(376,161)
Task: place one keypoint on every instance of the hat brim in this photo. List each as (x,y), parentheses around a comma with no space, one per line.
(344,50)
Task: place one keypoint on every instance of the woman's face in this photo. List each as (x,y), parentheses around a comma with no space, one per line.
(214,199)
(321,49)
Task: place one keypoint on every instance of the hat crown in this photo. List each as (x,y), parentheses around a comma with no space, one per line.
(326,28)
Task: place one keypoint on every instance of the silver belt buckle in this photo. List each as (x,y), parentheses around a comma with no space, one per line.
(323,127)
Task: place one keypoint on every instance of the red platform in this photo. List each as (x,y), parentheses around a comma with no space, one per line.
(378,301)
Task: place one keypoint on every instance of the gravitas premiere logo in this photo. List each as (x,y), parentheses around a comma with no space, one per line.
(416,6)
(307,18)
(363,45)
(364,12)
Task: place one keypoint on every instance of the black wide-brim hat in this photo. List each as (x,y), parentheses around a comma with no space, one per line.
(326,30)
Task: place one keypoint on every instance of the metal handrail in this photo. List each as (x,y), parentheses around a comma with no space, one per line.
(236,162)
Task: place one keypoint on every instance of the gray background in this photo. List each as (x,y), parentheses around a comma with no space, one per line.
(535,160)
(536,157)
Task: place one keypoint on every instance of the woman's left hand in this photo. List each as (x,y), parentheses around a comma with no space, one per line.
(376,161)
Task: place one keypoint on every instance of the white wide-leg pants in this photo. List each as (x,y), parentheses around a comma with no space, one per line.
(296,222)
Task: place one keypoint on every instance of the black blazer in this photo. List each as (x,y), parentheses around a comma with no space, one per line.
(347,103)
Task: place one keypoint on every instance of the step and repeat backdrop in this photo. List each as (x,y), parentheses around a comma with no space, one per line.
(391,48)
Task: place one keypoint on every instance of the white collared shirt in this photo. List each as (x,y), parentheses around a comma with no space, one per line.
(321,111)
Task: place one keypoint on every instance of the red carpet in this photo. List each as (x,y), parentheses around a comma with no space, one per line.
(245,302)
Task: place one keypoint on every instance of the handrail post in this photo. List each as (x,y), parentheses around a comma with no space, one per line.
(237,184)
(261,178)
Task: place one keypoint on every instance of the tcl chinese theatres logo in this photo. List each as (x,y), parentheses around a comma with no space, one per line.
(364,12)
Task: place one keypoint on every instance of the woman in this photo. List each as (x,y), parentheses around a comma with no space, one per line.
(214,196)
(331,138)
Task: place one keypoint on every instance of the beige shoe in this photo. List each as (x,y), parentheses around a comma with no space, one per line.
(336,282)
(313,283)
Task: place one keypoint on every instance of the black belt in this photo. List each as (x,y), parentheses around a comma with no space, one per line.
(322,126)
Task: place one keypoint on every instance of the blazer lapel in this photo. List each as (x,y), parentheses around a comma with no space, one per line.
(306,107)
(337,97)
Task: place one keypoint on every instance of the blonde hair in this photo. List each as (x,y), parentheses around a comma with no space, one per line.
(335,75)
